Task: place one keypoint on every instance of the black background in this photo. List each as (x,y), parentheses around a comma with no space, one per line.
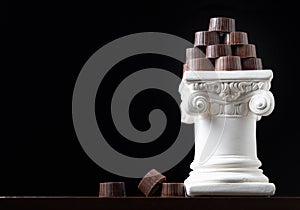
(48,43)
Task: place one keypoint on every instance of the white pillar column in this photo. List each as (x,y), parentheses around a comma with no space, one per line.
(224,106)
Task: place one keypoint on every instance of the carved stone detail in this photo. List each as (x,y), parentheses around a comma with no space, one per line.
(229,109)
(203,105)
(262,103)
(198,104)
(229,98)
(230,91)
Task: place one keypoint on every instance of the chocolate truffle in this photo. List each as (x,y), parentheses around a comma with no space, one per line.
(252,64)
(194,52)
(245,50)
(112,189)
(172,189)
(200,64)
(218,50)
(236,37)
(151,183)
(204,38)
(222,24)
(228,63)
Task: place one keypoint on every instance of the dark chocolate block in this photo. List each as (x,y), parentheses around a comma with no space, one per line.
(228,63)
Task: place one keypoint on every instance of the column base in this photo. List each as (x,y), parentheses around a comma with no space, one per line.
(234,189)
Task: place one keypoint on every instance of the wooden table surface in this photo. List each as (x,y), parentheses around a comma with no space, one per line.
(153,203)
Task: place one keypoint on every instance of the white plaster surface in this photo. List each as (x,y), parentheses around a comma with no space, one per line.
(224,107)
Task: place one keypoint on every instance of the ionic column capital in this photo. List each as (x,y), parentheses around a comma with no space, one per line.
(230,94)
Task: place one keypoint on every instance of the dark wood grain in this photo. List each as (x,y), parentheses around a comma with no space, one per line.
(151,203)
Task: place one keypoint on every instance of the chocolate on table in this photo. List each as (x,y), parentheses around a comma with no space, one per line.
(222,24)
(200,64)
(251,64)
(112,189)
(236,37)
(218,50)
(204,38)
(151,183)
(194,52)
(245,50)
(228,63)
(172,189)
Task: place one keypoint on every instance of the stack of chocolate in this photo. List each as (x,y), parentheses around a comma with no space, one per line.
(221,48)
